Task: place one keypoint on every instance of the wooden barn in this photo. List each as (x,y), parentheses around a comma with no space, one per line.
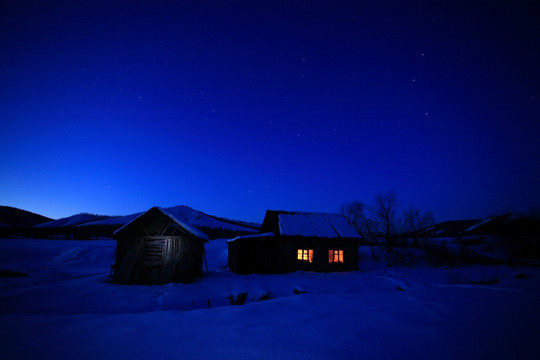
(290,241)
(157,248)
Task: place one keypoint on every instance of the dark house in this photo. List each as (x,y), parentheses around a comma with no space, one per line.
(157,248)
(508,239)
(290,241)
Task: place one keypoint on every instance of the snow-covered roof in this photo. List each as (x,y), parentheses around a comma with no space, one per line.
(250,236)
(186,226)
(309,224)
(479,223)
(452,228)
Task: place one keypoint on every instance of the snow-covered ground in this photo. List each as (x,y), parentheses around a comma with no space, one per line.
(66,309)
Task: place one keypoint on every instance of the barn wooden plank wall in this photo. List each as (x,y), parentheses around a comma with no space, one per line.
(157,259)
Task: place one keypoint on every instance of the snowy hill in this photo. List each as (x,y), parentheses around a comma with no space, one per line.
(115,220)
(13,217)
(211,225)
(73,220)
(204,221)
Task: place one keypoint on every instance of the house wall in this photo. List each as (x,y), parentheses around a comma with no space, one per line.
(279,255)
(248,256)
(189,260)
(289,251)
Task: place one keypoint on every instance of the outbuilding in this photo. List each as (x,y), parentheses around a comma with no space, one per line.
(290,241)
(157,248)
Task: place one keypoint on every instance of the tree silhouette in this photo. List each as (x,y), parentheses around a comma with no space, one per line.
(414,220)
(358,214)
(385,211)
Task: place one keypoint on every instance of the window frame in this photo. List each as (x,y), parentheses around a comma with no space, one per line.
(335,256)
(305,255)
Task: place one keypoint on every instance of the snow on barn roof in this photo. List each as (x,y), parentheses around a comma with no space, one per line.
(186,226)
(321,225)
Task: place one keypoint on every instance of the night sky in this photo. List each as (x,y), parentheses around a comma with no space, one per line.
(237,107)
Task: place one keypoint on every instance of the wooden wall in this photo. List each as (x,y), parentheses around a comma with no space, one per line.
(289,249)
(253,255)
(157,259)
(279,255)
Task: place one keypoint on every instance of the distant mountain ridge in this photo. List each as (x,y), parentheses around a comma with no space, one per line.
(18,218)
(113,220)
(73,220)
(85,225)
(189,215)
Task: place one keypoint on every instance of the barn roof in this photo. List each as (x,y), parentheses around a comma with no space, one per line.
(153,219)
(308,224)
(506,224)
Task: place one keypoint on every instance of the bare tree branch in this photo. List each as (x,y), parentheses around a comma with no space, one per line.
(414,220)
(357,213)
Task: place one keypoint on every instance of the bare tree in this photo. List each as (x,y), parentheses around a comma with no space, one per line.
(383,218)
(357,214)
(352,212)
(414,220)
(385,210)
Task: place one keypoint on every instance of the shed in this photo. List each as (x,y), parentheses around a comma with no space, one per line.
(157,248)
(290,241)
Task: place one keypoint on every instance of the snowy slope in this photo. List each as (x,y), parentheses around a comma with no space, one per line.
(201,220)
(117,220)
(73,220)
(184,214)
(66,308)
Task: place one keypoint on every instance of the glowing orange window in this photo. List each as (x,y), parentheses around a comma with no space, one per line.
(335,256)
(305,255)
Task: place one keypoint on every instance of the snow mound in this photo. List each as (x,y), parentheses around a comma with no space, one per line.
(67,256)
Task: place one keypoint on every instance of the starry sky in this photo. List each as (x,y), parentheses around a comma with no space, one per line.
(235,107)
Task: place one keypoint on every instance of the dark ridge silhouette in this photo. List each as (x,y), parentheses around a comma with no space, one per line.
(16,218)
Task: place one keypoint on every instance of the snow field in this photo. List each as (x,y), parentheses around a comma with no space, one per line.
(66,309)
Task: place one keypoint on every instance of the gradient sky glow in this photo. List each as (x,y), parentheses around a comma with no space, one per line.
(236,107)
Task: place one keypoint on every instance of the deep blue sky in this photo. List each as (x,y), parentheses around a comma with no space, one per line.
(238,107)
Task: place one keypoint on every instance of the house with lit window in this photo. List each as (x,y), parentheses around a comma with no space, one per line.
(291,241)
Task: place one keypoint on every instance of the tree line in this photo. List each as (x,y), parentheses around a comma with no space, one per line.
(385,217)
